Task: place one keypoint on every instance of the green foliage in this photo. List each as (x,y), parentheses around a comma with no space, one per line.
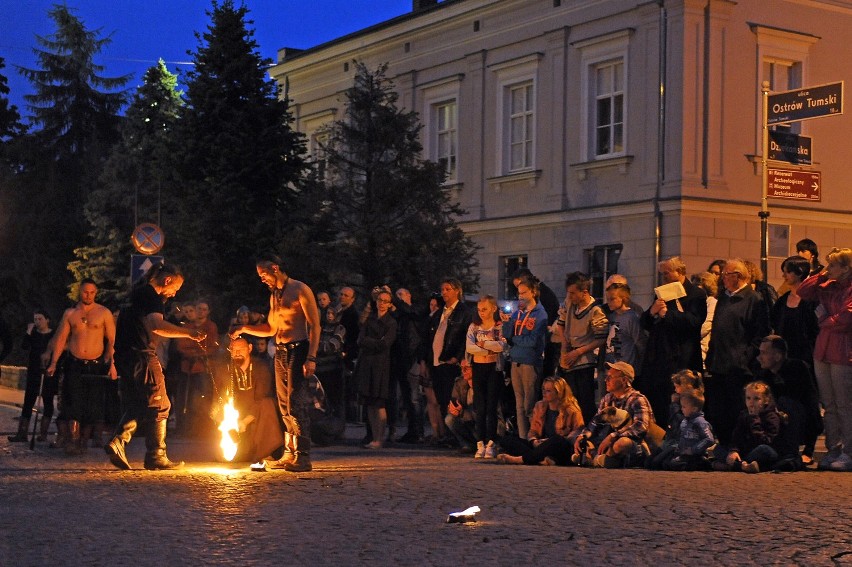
(137,173)
(74,115)
(238,163)
(390,219)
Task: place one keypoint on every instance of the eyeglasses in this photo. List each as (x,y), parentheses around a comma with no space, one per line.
(384,301)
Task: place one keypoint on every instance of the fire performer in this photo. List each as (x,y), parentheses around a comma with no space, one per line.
(143,386)
(294,322)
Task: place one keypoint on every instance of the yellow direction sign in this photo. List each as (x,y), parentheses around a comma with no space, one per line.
(148,238)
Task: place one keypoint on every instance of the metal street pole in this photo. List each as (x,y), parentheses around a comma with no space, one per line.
(764,205)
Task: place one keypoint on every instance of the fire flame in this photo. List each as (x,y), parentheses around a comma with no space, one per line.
(230,429)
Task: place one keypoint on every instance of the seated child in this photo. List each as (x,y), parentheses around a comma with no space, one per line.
(696,436)
(684,380)
(759,433)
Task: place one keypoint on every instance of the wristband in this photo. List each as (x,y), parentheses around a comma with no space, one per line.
(312,359)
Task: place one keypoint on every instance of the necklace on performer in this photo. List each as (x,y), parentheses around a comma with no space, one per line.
(278,293)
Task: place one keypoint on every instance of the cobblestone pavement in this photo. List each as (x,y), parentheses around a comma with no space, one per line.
(389,507)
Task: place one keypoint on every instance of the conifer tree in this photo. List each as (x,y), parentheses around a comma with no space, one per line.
(239,161)
(394,221)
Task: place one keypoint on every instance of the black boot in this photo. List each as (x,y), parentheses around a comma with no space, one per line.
(43,427)
(156,458)
(302,462)
(115,449)
(21,435)
(72,446)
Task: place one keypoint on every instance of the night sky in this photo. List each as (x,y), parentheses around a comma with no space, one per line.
(144,30)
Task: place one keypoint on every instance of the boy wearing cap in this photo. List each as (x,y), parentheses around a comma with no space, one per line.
(620,444)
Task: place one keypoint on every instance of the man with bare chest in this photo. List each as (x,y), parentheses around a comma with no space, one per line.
(293,322)
(88,331)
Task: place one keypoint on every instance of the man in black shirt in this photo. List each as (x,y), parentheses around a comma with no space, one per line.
(143,386)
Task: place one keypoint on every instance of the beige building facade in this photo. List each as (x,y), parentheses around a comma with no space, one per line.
(603,135)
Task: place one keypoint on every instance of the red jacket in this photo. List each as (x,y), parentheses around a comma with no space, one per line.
(834,341)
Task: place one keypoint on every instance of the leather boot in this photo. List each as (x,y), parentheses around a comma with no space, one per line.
(43,427)
(72,445)
(21,435)
(289,453)
(302,462)
(115,449)
(156,458)
(61,435)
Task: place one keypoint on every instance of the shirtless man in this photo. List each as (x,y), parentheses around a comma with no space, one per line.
(294,323)
(88,330)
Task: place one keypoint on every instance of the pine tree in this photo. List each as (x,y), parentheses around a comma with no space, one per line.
(393,219)
(137,174)
(75,121)
(240,163)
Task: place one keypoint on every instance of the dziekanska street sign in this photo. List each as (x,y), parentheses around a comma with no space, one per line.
(805,103)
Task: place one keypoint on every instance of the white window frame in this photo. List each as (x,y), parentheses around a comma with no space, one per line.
(434,95)
(525,118)
(510,75)
(780,48)
(447,137)
(595,52)
(615,96)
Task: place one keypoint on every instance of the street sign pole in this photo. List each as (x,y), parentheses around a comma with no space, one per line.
(764,201)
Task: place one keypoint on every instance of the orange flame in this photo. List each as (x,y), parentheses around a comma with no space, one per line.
(230,423)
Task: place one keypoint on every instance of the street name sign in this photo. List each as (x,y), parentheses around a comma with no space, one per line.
(794,184)
(805,103)
(791,148)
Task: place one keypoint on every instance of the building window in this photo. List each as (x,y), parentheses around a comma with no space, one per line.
(447,137)
(783,76)
(508,266)
(521,117)
(609,109)
(516,110)
(603,93)
(319,152)
(601,263)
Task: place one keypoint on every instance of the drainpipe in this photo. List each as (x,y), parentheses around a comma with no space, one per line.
(661,140)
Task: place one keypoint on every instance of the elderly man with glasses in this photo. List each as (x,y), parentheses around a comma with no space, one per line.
(740,322)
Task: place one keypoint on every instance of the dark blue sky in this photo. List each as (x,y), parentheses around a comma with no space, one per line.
(144,30)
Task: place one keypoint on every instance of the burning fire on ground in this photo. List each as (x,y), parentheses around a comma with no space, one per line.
(230,428)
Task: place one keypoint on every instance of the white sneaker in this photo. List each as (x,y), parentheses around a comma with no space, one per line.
(829,458)
(490,450)
(480,450)
(843,463)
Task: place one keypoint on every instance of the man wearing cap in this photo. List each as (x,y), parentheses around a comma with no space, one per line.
(623,442)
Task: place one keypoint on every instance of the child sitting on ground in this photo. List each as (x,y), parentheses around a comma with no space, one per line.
(760,433)
(696,436)
(684,380)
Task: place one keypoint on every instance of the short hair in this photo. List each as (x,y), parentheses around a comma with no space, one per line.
(676,263)
(578,279)
(842,256)
(85,281)
(760,387)
(455,283)
(797,266)
(532,283)
(777,343)
(706,281)
(809,245)
(720,263)
(42,312)
(158,273)
(739,265)
(520,273)
(269,259)
(622,288)
(690,379)
(694,397)
(490,299)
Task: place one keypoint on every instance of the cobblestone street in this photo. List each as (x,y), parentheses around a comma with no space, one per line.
(389,507)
